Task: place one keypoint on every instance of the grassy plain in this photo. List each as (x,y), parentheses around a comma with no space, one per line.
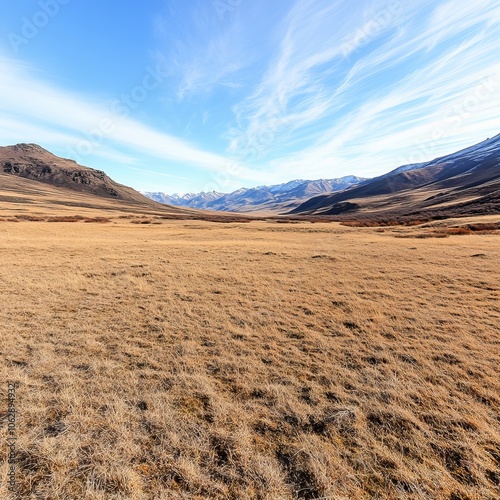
(191,360)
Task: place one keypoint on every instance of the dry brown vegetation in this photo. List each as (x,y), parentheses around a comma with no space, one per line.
(192,360)
(478,226)
(384,222)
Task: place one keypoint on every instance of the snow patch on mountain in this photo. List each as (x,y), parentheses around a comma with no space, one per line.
(261,197)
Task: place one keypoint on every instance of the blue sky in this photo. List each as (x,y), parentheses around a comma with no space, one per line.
(199,95)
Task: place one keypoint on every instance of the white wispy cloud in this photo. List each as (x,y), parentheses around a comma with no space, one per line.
(33,107)
(366,100)
(315,37)
(199,58)
(316,88)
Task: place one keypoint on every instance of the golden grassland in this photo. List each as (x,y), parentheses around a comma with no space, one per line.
(191,360)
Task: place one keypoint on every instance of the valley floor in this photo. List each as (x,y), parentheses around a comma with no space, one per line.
(192,360)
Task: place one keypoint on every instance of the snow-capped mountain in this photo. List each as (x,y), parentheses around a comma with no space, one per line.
(276,197)
(193,200)
(477,153)
(459,184)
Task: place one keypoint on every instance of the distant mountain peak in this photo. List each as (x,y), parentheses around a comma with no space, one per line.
(271,198)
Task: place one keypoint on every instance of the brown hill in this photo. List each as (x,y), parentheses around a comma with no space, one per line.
(34,183)
(33,162)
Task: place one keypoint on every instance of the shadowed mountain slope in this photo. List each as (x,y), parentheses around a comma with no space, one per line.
(463,183)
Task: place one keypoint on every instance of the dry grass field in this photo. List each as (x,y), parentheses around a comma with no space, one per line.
(194,360)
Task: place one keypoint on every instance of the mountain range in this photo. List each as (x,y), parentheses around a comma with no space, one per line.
(279,197)
(462,183)
(465,183)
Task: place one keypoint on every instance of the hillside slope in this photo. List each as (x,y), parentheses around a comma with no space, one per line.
(30,161)
(33,181)
(463,183)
